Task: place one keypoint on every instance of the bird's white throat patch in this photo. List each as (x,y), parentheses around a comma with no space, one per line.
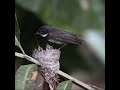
(44,35)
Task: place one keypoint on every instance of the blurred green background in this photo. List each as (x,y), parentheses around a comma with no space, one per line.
(83,17)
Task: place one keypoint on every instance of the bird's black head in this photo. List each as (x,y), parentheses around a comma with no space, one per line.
(43,31)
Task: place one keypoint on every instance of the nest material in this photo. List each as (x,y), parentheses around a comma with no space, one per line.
(49,62)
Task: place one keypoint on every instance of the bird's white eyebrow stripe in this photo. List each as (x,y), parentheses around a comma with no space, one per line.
(44,35)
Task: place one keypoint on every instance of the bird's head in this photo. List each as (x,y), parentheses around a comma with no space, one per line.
(43,31)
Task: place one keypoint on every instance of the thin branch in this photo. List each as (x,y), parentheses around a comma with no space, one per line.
(59,72)
(97,87)
(17,21)
(75,80)
(27,57)
(16,37)
(19,45)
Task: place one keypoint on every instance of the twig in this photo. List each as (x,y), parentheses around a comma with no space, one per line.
(75,80)
(59,72)
(97,87)
(16,37)
(19,45)
(27,57)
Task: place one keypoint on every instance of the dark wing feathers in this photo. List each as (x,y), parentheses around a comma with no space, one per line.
(66,37)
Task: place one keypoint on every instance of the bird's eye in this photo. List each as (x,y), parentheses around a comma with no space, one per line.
(41,30)
(45,31)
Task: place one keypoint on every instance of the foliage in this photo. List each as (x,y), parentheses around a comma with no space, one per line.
(65,85)
(23,77)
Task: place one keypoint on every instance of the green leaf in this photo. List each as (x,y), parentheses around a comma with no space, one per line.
(23,77)
(65,85)
(17,31)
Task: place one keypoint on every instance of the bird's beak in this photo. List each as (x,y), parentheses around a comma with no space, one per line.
(37,33)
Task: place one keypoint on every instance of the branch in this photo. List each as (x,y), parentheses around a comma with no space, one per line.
(16,40)
(27,57)
(59,72)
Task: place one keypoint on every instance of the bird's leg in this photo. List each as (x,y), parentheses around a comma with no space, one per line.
(62,46)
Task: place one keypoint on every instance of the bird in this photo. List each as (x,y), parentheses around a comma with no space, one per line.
(59,36)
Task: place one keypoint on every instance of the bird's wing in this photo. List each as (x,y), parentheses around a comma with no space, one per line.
(66,37)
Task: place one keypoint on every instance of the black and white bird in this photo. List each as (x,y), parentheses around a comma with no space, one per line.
(59,36)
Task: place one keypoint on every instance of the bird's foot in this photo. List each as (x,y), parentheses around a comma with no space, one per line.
(62,46)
